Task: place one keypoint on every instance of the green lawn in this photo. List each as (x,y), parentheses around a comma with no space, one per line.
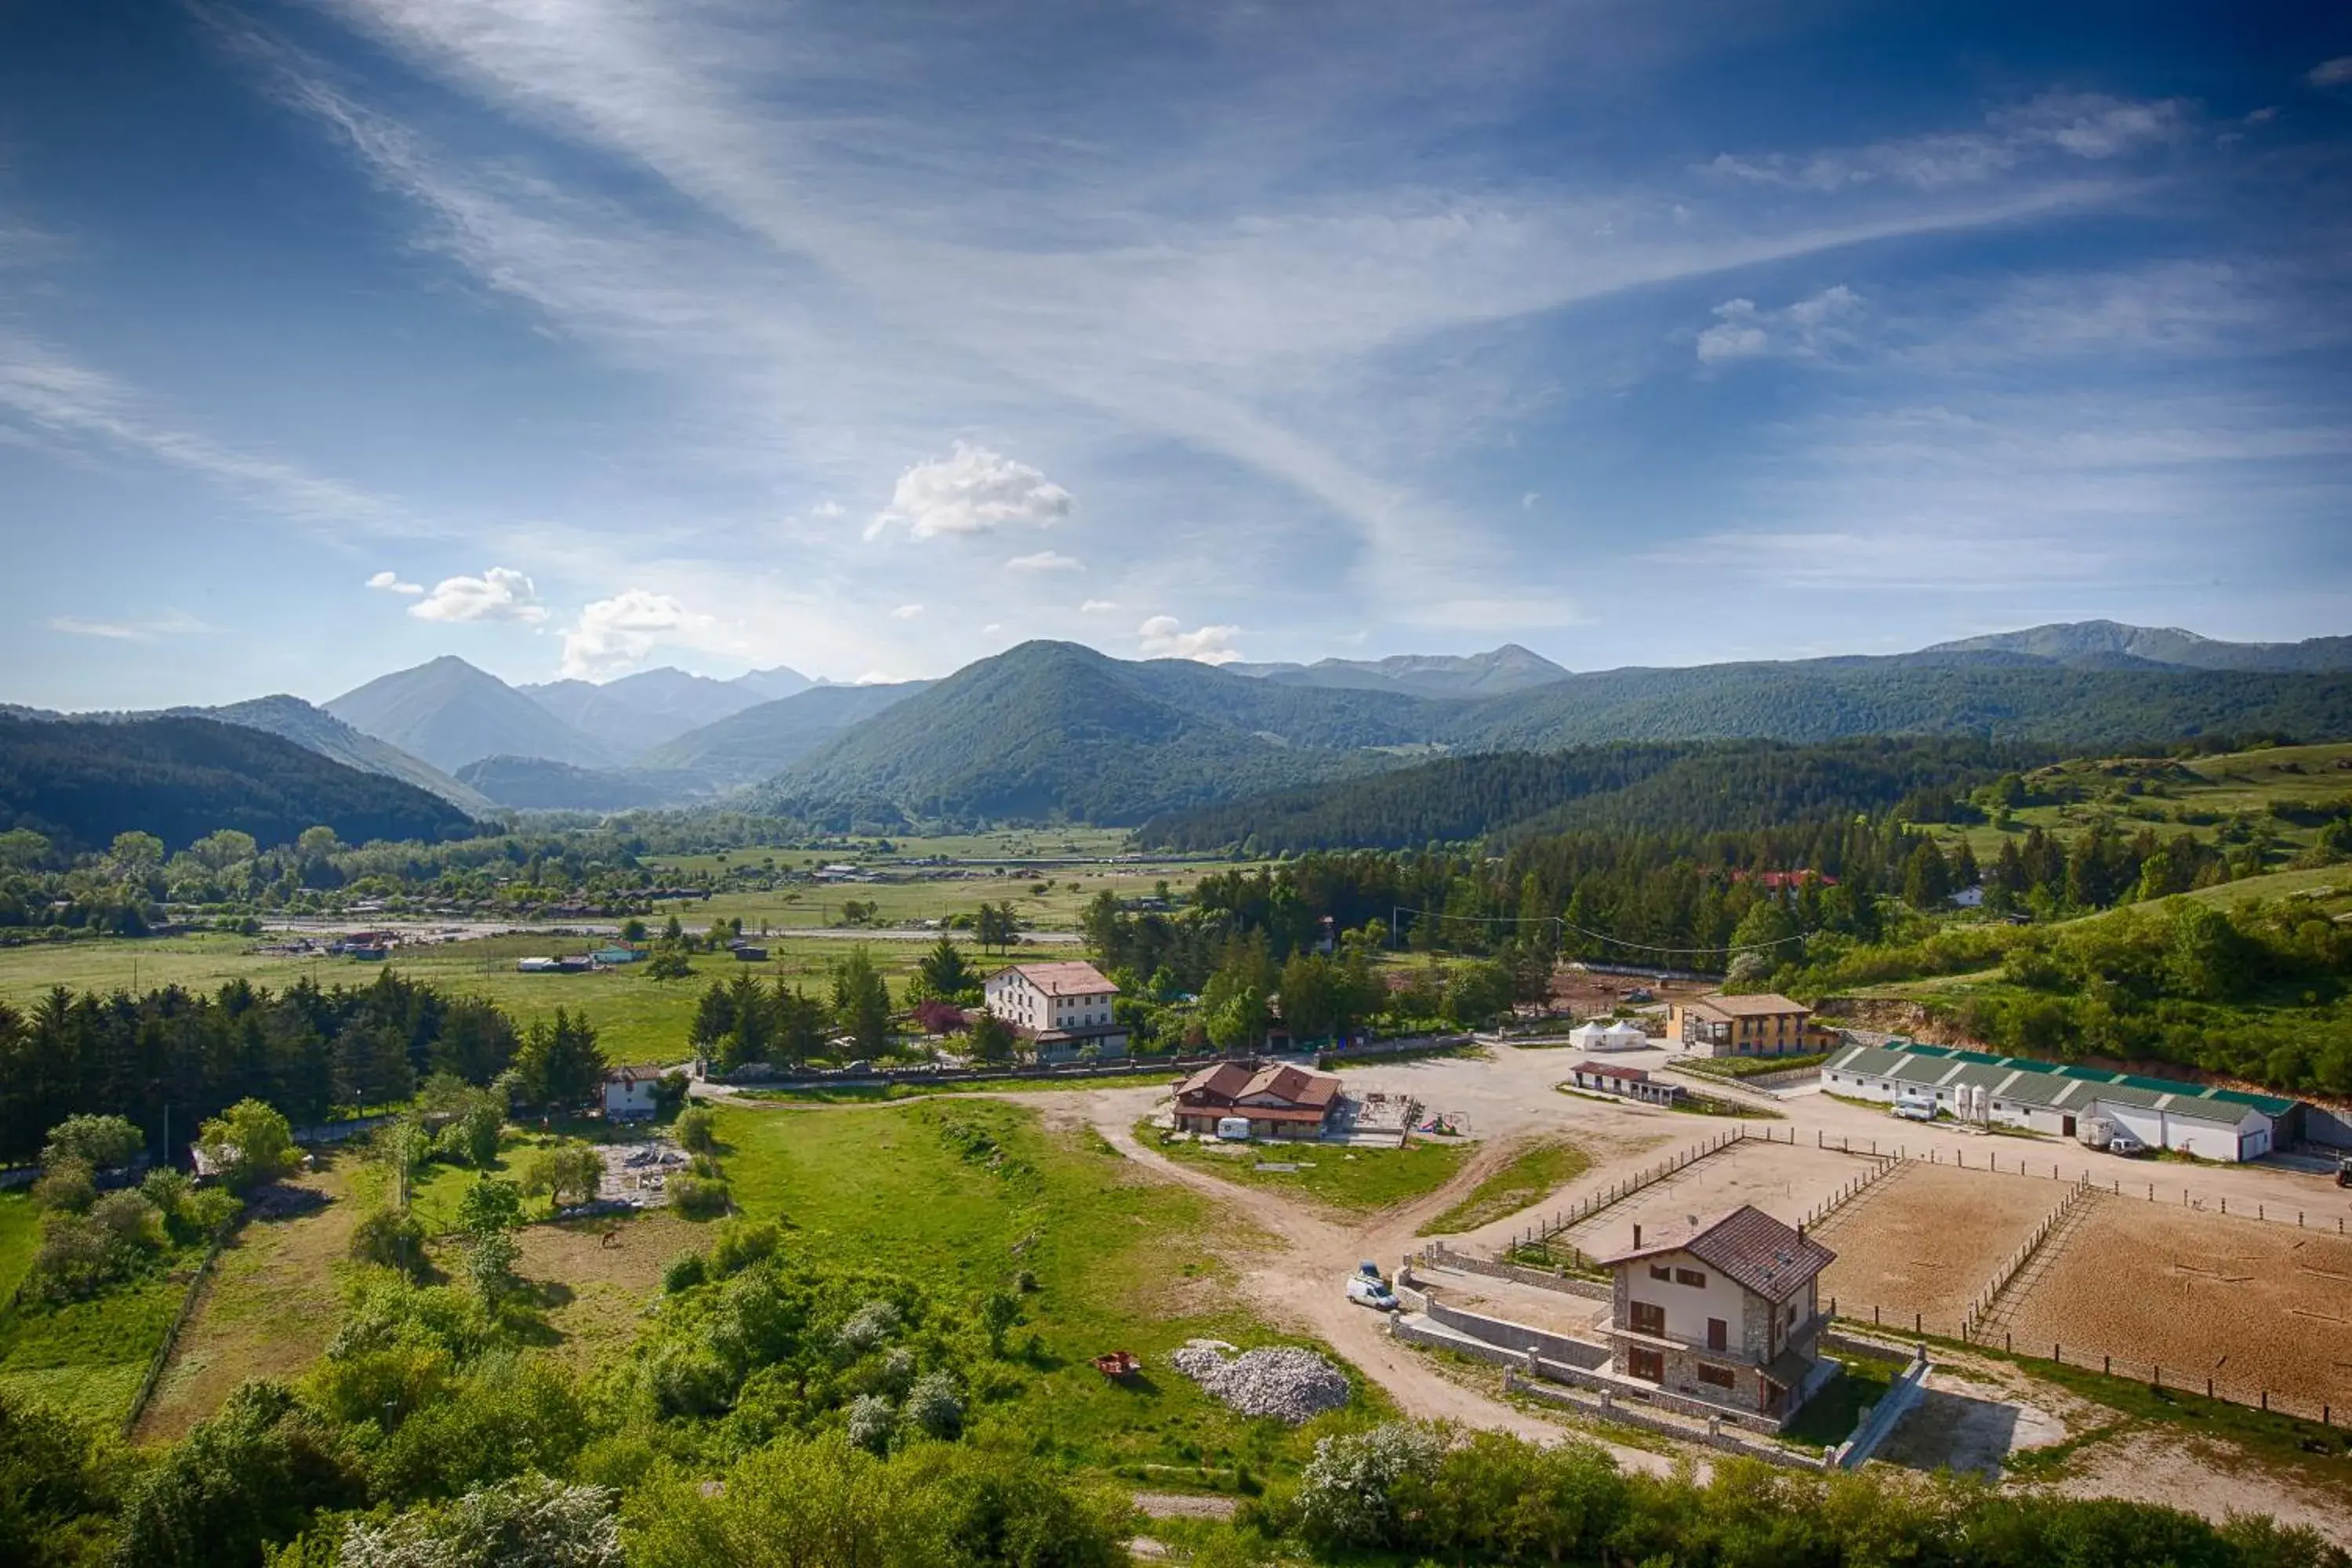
(20,1235)
(1357,1181)
(1527,1177)
(1830,1419)
(1747,1066)
(966,1195)
(89,1356)
(878,1094)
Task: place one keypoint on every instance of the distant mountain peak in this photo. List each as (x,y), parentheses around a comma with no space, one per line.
(2093,642)
(1507,668)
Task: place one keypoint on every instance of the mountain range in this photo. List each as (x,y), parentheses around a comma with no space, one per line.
(1056,731)
(1509,667)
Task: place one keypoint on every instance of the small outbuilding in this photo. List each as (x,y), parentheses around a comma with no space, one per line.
(629,1093)
(1628,1083)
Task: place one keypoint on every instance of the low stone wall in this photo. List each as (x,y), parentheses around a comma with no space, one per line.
(1508,1336)
(1437,1255)
(1713,1435)
(1880,1418)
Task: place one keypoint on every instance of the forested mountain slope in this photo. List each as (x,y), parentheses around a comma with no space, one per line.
(635,713)
(2086,642)
(1703,786)
(758,742)
(1509,667)
(81,781)
(1052,729)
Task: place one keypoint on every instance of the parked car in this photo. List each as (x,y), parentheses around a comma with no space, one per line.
(1367,1289)
(2126,1145)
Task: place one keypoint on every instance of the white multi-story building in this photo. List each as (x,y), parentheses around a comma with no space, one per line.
(1063,1007)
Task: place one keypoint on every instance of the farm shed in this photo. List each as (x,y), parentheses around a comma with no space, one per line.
(2057,1098)
(1631,1083)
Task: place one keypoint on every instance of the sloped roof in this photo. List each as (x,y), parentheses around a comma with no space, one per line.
(1611,1069)
(1226,1080)
(2053,1084)
(1070,978)
(1746,1245)
(1294,1084)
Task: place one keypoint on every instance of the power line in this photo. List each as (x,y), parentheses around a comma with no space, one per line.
(1581,931)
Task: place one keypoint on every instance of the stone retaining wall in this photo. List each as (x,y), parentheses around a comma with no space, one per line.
(1437,1255)
(1713,1435)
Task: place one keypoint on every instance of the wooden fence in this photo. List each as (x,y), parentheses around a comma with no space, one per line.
(1973,1316)
(1618,1192)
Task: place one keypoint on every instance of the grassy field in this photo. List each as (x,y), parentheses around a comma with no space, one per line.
(1527,1177)
(88,1356)
(1356,1181)
(2197,796)
(638,1019)
(969,1195)
(881,1094)
(19,1236)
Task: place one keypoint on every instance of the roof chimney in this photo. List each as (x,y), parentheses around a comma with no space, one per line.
(1637,1234)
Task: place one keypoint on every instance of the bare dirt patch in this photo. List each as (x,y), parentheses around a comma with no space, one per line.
(1783,1180)
(2206,1479)
(268,1311)
(595,1291)
(1927,1238)
(2251,1305)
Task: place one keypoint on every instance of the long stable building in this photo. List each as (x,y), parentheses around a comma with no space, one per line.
(2060,1098)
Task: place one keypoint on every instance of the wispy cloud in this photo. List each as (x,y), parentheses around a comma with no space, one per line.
(1046,561)
(176,624)
(2336,72)
(905,612)
(1098,607)
(57,398)
(390,583)
(1804,329)
(500,594)
(2090,126)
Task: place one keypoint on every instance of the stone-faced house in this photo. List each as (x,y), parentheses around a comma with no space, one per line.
(1722,1310)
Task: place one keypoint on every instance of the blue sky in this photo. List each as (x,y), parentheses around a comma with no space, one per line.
(580,337)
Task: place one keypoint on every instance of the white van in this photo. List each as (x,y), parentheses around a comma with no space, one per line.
(1914,1108)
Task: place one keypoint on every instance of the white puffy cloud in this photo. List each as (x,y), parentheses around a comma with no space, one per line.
(905,612)
(1164,636)
(390,583)
(1098,607)
(616,633)
(972,491)
(1804,329)
(1046,561)
(499,593)
(2336,72)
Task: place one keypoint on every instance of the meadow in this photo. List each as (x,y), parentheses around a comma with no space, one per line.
(1352,1180)
(1527,1177)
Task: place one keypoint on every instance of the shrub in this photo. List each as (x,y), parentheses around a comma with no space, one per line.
(389,1239)
(684,1272)
(168,1190)
(101,1143)
(869,1422)
(531,1521)
(696,1131)
(934,1407)
(250,1142)
(741,1244)
(66,1187)
(1357,1488)
(73,1259)
(700,1197)
(868,1328)
(131,1224)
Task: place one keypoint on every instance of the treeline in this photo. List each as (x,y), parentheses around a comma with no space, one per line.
(1702,786)
(82,782)
(308,1051)
(2260,992)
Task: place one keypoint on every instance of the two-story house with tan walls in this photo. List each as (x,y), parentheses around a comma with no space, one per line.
(1063,1007)
(1764,1025)
(1724,1310)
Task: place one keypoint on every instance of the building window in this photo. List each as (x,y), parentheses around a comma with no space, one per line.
(1690,1276)
(1716,1376)
(1649,1320)
(1648,1365)
(1660,1271)
(1718,1334)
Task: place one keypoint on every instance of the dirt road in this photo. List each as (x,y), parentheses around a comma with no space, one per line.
(1301,1285)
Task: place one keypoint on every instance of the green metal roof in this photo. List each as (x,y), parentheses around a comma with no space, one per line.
(1892,1059)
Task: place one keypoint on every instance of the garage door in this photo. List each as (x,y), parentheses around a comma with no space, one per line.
(2253,1143)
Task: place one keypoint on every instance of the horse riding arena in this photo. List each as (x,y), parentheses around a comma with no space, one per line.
(1924,1239)
(1785,1180)
(2187,1295)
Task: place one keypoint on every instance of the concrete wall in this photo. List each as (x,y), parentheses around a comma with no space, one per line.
(1519,1337)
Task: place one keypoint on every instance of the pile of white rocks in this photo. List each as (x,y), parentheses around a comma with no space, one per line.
(1291,1385)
